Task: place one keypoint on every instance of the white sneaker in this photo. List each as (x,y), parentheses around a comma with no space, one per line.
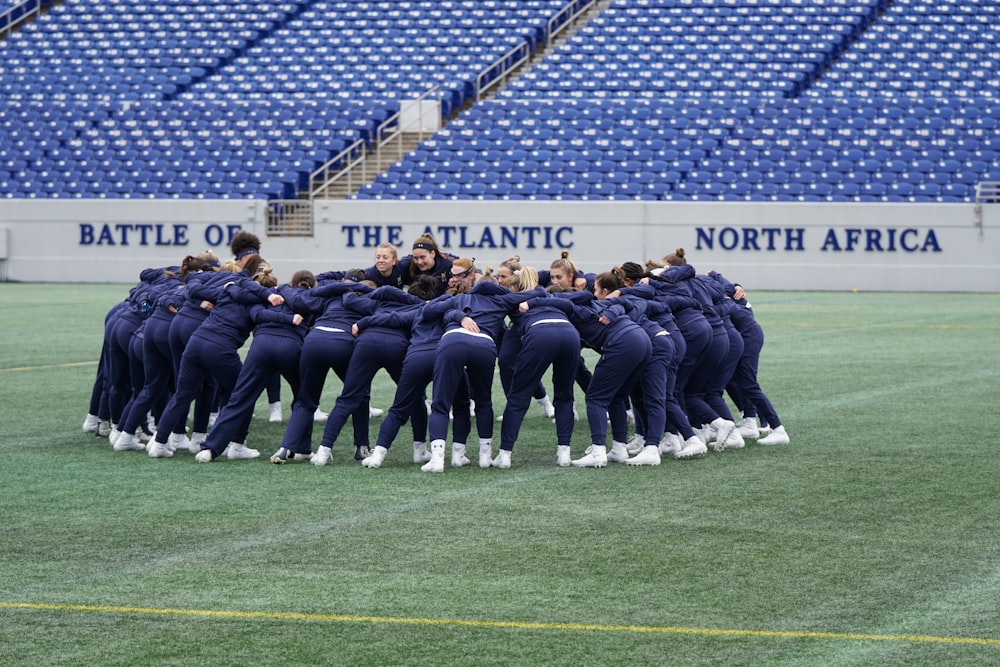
(563,457)
(322,456)
(212,416)
(436,464)
(196,440)
(158,450)
(723,427)
(748,428)
(649,456)
(763,429)
(114,435)
(776,437)
(104,429)
(375,412)
(618,453)
(596,456)
(693,447)
(670,444)
(500,418)
(486,456)
(320,416)
(635,445)
(546,403)
(91,423)
(238,451)
(376,458)
(127,442)
(204,456)
(502,460)
(420,453)
(458,457)
(735,440)
(177,441)
(274,412)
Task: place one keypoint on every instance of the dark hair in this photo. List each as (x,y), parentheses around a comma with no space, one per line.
(244,243)
(676,258)
(611,280)
(253,263)
(354,275)
(303,278)
(632,271)
(424,287)
(425,242)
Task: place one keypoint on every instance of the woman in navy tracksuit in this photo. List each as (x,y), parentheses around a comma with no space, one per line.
(328,346)
(659,308)
(192,313)
(702,380)
(425,327)
(426,259)
(547,339)
(509,345)
(274,352)
(213,351)
(380,347)
(472,324)
(158,368)
(625,349)
(744,387)
(98,420)
(120,382)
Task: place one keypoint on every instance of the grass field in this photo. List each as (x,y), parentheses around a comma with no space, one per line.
(871,539)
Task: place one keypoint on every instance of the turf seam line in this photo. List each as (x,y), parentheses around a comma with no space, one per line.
(341,618)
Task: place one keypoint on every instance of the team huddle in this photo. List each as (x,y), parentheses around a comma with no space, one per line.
(672,343)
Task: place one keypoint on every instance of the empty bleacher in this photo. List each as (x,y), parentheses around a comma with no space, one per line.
(747,100)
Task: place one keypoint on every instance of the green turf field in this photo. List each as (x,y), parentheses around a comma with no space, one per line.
(872,539)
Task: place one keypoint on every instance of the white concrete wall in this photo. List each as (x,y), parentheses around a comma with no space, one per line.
(796,246)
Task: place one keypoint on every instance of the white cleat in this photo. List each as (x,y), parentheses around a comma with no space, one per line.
(649,456)
(776,437)
(635,445)
(502,460)
(91,423)
(486,456)
(694,447)
(596,456)
(376,458)
(723,427)
(436,464)
(322,456)
(177,441)
(563,456)
(420,453)
(375,412)
(747,427)
(238,451)
(204,456)
(127,442)
(735,440)
(670,444)
(158,450)
(618,453)
(320,416)
(458,457)
(274,412)
(547,407)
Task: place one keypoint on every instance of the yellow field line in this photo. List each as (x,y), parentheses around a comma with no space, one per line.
(340,618)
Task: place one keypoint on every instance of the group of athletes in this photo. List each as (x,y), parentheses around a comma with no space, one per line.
(672,343)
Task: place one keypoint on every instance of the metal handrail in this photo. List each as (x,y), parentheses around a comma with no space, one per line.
(523,53)
(987,192)
(564,19)
(351,156)
(7,20)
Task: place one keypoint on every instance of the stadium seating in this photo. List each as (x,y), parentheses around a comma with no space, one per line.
(755,100)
